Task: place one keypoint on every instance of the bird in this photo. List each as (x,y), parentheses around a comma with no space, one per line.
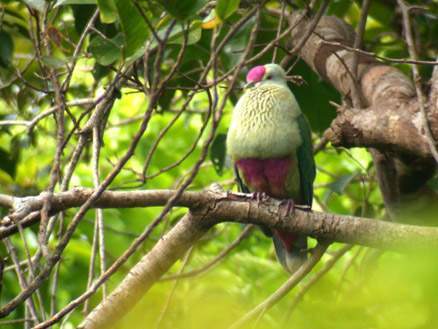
(269,142)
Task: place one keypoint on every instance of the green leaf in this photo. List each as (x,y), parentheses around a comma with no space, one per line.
(382,12)
(7,163)
(6,49)
(182,9)
(317,109)
(433,183)
(339,8)
(166,99)
(176,37)
(36,4)
(194,33)
(211,21)
(107,11)
(82,15)
(233,53)
(53,62)
(339,185)
(100,71)
(75,2)
(135,29)
(218,153)
(225,8)
(106,51)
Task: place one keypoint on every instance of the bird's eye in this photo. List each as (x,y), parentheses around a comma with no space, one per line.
(268,77)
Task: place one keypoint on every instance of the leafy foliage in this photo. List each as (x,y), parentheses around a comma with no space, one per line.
(365,289)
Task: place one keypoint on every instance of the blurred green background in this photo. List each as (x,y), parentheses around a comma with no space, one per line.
(365,289)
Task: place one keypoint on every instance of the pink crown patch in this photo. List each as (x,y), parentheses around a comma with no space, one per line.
(256,74)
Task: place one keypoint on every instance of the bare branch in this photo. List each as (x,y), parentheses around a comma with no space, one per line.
(240,208)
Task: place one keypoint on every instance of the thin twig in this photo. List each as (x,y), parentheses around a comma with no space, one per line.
(313,280)
(31,124)
(356,91)
(285,288)
(173,289)
(405,8)
(379,57)
(222,255)
(21,278)
(279,28)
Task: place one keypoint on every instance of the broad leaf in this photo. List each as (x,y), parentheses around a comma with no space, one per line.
(218,153)
(135,29)
(182,9)
(7,163)
(314,97)
(178,31)
(54,62)
(211,21)
(6,49)
(225,8)
(75,2)
(106,51)
(36,4)
(339,185)
(107,11)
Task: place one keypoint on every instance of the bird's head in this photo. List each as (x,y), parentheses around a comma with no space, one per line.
(268,72)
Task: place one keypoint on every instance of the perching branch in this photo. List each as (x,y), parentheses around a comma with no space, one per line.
(382,87)
(207,209)
(217,207)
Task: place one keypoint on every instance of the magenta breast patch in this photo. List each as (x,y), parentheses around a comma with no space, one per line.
(255,74)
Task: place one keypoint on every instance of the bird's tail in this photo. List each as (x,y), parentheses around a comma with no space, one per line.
(291,249)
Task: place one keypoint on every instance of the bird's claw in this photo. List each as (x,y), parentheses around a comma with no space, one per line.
(303,207)
(232,196)
(259,196)
(288,205)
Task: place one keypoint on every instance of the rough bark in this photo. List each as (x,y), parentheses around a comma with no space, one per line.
(145,273)
(212,208)
(390,124)
(208,208)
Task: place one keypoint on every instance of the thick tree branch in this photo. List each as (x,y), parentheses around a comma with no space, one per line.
(146,272)
(217,207)
(207,209)
(385,89)
(389,121)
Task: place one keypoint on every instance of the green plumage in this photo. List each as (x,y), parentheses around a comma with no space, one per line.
(270,141)
(306,162)
(264,123)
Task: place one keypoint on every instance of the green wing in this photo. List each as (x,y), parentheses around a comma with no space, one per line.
(306,163)
(242,187)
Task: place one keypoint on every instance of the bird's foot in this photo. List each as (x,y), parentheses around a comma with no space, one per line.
(259,197)
(233,195)
(286,207)
(303,207)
